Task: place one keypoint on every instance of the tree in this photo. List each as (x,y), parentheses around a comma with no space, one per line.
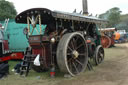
(7,10)
(112,15)
(123,24)
(104,15)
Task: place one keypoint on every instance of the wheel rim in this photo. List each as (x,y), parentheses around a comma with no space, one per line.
(75,55)
(99,55)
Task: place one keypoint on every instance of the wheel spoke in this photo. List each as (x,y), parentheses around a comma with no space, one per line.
(79,62)
(101,55)
(79,46)
(99,59)
(70,59)
(69,54)
(74,42)
(70,48)
(77,38)
(75,67)
(72,45)
(70,66)
(82,54)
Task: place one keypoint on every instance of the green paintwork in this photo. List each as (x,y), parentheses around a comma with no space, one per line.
(98,40)
(17,39)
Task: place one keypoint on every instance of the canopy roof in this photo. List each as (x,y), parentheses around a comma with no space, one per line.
(48,16)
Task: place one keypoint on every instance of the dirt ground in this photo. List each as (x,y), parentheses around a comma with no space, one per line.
(113,71)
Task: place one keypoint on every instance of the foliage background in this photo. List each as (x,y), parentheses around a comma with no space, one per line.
(116,20)
(7,10)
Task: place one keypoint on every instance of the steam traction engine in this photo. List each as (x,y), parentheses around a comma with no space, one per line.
(69,40)
(107,37)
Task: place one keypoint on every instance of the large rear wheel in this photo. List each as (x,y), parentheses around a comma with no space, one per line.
(72,53)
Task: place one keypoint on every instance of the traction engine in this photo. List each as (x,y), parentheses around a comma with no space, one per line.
(68,42)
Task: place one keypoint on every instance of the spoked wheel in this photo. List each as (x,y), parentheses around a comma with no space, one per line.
(105,41)
(99,55)
(72,54)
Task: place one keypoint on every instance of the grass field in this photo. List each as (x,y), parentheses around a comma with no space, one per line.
(35,78)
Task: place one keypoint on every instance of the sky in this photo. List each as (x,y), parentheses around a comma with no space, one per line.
(94,6)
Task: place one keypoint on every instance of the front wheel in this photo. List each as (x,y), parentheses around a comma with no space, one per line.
(99,55)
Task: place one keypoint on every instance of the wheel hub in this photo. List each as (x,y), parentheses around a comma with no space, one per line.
(75,54)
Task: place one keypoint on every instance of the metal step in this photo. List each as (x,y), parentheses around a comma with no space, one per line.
(25,67)
(28,56)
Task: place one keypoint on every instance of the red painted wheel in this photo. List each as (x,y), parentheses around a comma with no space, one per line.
(105,41)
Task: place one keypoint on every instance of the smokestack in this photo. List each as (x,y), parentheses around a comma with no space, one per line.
(85,7)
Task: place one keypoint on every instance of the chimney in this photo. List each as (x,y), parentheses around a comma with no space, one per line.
(85,7)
